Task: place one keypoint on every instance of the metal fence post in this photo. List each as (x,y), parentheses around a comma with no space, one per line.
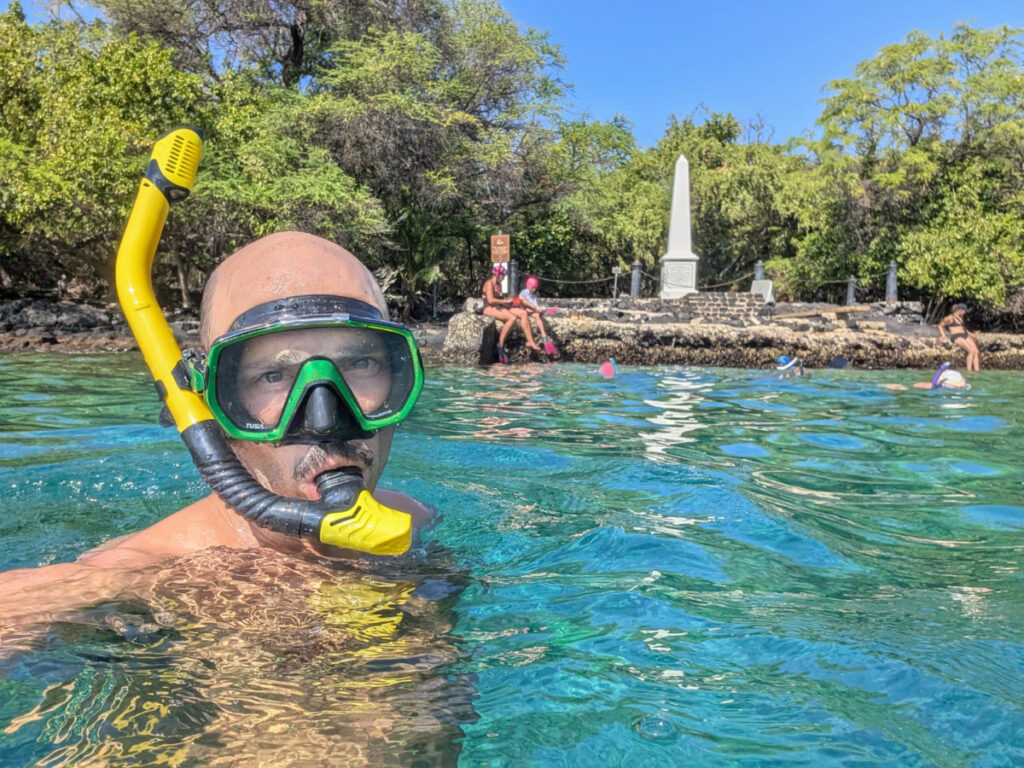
(433,310)
(851,291)
(890,284)
(513,278)
(759,270)
(634,288)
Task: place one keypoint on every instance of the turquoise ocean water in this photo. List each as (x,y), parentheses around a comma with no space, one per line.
(677,566)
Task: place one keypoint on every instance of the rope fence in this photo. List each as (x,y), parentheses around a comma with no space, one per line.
(846,280)
(576,282)
(636,283)
(866,285)
(728,282)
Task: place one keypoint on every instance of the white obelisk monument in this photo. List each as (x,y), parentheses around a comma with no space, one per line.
(679,264)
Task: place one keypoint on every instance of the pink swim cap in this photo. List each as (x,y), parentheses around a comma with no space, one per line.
(498,269)
(532,283)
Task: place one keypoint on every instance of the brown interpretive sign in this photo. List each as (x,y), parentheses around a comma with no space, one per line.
(501,248)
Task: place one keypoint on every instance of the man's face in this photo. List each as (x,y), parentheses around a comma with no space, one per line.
(291,264)
(265,374)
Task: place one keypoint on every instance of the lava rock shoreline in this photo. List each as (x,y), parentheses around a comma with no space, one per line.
(654,332)
(633,331)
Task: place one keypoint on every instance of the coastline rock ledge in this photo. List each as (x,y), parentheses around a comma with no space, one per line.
(666,332)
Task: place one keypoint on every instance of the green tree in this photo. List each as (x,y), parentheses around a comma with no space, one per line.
(286,42)
(84,107)
(737,193)
(445,128)
(554,236)
(920,162)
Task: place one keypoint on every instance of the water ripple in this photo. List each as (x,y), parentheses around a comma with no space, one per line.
(674,566)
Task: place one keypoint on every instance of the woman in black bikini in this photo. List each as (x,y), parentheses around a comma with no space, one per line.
(499,307)
(960,336)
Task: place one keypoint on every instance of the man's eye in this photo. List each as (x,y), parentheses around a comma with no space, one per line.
(270,377)
(363,366)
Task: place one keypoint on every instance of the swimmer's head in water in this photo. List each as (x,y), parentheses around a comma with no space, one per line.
(785,362)
(532,283)
(950,379)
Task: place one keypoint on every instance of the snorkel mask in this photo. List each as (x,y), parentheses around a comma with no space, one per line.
(308,369)
(316,349)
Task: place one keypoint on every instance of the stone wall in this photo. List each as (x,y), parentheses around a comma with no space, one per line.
(746,308)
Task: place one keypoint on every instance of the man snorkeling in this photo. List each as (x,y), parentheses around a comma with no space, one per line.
(306,377)
(945,378)
(790,366)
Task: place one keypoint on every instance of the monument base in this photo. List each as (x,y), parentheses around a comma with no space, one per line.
(678,277)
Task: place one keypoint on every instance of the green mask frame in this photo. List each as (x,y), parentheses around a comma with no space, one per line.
(302,314)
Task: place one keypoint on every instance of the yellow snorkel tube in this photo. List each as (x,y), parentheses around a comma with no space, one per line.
(346,515)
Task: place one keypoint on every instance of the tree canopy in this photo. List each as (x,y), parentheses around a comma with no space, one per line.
(412,130)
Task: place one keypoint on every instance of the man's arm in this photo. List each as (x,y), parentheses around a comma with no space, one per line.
(32,595)
(28,595)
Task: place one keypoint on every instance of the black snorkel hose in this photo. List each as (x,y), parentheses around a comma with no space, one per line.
(346,515)
(226,476)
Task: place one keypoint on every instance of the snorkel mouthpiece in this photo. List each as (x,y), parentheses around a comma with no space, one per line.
(347,515)
(359,521)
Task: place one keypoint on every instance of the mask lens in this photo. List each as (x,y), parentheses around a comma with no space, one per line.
(255,376)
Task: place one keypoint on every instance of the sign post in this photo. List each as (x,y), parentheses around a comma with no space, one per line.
(501,251)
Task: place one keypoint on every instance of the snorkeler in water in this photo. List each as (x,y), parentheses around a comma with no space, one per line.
(288,408)
(944,378)
(790,366)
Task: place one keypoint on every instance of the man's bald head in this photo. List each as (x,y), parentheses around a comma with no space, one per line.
(276,267)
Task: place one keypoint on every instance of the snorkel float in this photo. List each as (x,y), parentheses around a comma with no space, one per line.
(346,515)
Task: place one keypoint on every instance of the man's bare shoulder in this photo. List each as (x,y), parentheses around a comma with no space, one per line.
(209,523)
(204,524)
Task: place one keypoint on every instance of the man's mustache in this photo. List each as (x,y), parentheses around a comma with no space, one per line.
(358,453)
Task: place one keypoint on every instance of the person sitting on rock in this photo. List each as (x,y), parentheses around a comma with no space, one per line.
(529,301)
(498,306)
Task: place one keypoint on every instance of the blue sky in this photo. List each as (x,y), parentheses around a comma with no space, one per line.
(648,59)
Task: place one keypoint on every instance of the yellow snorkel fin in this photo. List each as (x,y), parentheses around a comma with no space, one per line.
(346,515)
